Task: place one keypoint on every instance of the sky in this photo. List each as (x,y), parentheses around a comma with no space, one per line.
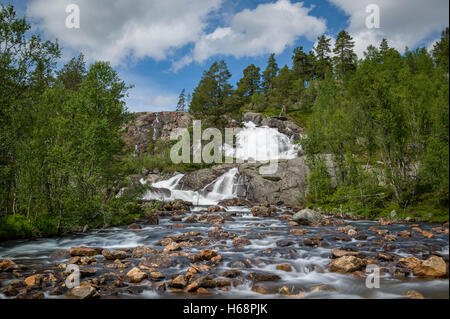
(163,46)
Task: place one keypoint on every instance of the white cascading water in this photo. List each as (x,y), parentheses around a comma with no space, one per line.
(224,187)
(252,143)
(261,144)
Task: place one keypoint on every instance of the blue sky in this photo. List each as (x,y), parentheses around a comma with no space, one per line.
(163,46)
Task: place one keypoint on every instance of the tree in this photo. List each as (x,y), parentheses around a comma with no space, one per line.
(384,46)
(250,83)
(303,64)
(269,75)
(345,57)
(181,105)
(440,50)
(71,75)
(323,51)
(212,98)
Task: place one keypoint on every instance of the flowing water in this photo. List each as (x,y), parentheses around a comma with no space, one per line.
(263,254)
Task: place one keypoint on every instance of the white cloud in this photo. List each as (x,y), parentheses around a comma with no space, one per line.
(402,22)
(269,28)
(122,29)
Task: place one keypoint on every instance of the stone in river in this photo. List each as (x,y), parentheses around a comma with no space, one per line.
(307,217)
(34,280)
(261,276)
(232,273)
(434,267)
(178,282)
(110,254)
(7,265)
(338,253)
(136,275)
(83,252)
(86,292)
(284,243)
(207,254)
(412,294)
(346,264)
(241,242)
(284,267)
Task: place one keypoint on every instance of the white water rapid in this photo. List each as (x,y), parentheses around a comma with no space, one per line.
(261,144)
(224,187)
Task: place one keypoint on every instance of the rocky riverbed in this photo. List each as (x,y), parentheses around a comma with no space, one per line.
(232,251)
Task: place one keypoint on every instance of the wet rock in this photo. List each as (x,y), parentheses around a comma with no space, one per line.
(412,294)
(37,295)
(86,292)
(261,290)
(7,265)
(136,275)
(235,202)
(307,217)
(207,254)
(134,227)
(245,263)
(410,263)
(232,273)
(261,211)
(338,253)
(140,251)
(241,242)
(158,261)
(154,275)
(34,280)
(299,232)
(87,271)
(152,220)
(261,276)
(386,256)
(346,264)
(220,233)
(60,254)
(179,282)
(404,234)
(110,254)
(172,247)
(191,220)
(284,243)
(216,209)
(83,252)
(10,291)
(284,267)
(433,267)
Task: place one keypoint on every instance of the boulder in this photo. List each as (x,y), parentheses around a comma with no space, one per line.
(135,275)
(7,265)
(307,217)
(262,276)
(261,211)
(338,253)
(34,280)
(241,242)
(346,264)
(284,267)
(110,254)
(207,254)
(85,292)
(83,252)
(433,267)
(179,282)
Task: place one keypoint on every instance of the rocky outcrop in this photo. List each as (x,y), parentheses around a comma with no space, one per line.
(307,217)
(287,185)
(156,126)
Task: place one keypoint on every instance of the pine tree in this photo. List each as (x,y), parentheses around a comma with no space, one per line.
(181,106)
(384,46)
(303,64)
(323,60)
(250,83)
(440,50)
(212,97)
(345,57)
(270,74)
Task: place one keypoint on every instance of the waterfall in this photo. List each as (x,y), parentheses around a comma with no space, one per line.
(222,188)
(261,144)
